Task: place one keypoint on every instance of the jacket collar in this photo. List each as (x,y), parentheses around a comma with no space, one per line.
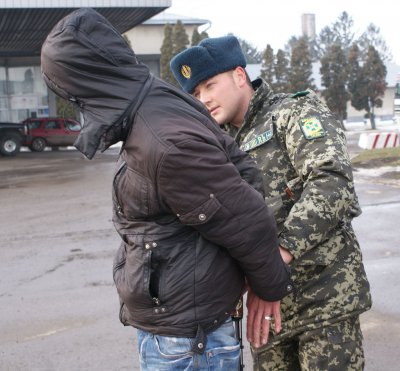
(262,94)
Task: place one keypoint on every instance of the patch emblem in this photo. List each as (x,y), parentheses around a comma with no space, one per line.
(186,71)
(257,141)
(302,93)
(312,128)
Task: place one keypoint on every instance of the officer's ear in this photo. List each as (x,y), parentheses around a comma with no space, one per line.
(240,76)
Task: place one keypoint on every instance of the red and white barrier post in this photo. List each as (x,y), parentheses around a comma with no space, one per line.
(378,140)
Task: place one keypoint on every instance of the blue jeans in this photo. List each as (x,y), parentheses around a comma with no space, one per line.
(162,353)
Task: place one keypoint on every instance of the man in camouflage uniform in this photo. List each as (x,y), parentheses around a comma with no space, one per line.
(301,150)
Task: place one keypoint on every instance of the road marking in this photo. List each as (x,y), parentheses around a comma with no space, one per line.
(44,334)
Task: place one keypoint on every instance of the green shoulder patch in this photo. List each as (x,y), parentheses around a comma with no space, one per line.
(312,128)
(257,141)
(300,94)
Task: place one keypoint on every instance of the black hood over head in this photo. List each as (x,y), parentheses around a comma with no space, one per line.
(85,60)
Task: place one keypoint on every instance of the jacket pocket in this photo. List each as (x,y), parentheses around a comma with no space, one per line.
(133,193)
(201,214)
(132,275)
(119,261)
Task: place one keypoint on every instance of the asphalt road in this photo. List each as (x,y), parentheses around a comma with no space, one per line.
(58,303)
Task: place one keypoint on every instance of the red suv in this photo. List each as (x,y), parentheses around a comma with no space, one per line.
(51,132)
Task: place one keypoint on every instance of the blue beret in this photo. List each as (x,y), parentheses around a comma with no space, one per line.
(201,62)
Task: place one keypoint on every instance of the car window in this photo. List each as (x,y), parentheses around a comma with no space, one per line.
(73,126)
(52,125)
(34,124)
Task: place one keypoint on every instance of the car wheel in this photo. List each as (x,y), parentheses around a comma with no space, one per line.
(38,145)
(10,144)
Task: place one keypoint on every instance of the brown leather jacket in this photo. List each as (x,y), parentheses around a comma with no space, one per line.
(191,227)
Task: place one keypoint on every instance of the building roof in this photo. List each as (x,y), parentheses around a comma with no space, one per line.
(165,17)
(24,24)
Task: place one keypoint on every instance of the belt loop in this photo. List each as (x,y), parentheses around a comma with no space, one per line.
(199,342)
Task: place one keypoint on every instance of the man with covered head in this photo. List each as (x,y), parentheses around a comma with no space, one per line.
(300,148)
(191,227)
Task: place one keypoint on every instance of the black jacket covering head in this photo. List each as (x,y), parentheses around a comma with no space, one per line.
(85,60)
(191,227)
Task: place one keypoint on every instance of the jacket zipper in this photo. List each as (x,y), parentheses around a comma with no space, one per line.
(121,170)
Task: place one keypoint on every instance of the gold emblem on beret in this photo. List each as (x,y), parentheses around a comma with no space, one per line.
(186,71)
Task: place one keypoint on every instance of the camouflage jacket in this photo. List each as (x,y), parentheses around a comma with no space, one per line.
(301,150)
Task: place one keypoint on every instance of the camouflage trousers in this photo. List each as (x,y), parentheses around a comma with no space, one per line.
(337,347)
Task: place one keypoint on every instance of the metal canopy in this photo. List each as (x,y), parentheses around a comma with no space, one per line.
(23,30)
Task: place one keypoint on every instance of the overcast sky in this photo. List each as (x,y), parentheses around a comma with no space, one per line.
(262,22)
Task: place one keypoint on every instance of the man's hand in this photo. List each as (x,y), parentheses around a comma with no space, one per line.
(259,313)
(286,255)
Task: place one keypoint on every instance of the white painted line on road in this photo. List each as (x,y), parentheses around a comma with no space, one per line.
(48,333)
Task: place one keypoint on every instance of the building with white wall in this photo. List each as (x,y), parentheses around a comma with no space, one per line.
(146,39)
(24,25)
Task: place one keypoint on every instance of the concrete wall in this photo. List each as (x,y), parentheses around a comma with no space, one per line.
(147,39)
(386,111)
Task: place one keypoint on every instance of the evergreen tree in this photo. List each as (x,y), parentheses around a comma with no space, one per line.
(340,33)
(167,52)
(291,44)
(343,29)
(325,38)
(374,72)
(334,79)
(300,75)
(204,35)
(250,52)
(315,47)
(397,90)
(180,38)
(65,108)
(197,37)
(366,83)
(281,72)
(268,64)
(372,37)
(356,80)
